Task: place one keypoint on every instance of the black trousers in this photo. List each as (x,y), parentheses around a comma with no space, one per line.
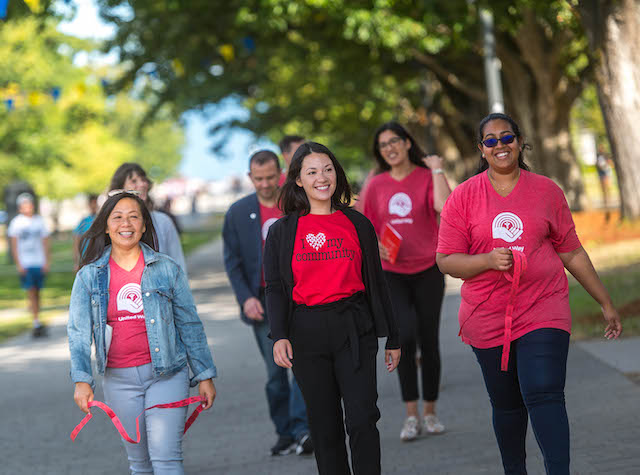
(417,300)
(334,361)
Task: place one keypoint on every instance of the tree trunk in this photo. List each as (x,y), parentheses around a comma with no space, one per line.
(613,29)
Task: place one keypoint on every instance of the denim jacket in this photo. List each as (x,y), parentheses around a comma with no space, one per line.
(174,330)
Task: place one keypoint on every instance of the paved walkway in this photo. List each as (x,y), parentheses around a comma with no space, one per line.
(38,413)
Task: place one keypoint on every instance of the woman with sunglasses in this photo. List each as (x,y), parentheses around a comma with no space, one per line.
(327,302)
(405,199)
(509,234)
(136,306)
(131,176)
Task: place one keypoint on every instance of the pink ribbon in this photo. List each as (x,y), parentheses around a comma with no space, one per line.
(116,422)
(519,266)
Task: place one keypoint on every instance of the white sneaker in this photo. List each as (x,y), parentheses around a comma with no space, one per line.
(410,429)
(432,425)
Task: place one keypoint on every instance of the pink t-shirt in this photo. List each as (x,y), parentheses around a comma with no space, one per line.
(327,259)
(534,219)
(129,343)
(408,206)
(268,216)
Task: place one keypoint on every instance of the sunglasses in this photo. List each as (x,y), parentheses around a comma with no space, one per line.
(492,142)
(117,192)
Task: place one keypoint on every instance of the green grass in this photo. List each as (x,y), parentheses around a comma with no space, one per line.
(57,291)
(623,284)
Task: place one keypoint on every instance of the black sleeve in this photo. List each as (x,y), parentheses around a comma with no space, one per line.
(275,293)
(381,287)
(233,260)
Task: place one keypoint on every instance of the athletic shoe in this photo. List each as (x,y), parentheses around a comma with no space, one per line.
(284,446)
(39,331)
(432,425)
(410,430)
(304,446)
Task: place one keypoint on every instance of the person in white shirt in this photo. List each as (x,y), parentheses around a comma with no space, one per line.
(30,250)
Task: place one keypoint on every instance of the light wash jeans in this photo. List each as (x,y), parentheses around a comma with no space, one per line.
(128,391)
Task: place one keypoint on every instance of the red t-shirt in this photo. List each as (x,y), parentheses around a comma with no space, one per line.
(534,219)
(327,259)
(129,343)
(408,206)
(268,216)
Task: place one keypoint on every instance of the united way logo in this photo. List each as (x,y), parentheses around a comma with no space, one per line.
(507,226)
(400,204)
(265,227)
(129,298)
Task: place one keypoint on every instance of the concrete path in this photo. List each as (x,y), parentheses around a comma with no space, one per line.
(37,409)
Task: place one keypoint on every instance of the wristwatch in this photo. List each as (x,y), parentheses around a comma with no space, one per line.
(437,171)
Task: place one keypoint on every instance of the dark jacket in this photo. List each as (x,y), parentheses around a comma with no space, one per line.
(242,238)
(278,253)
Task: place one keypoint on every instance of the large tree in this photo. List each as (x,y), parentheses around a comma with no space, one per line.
(613,28)
(336,69)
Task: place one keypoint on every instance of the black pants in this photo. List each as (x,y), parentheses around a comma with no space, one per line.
(417,300)
(329,371)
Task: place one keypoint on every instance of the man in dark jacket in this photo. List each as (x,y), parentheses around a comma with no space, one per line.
(245,230)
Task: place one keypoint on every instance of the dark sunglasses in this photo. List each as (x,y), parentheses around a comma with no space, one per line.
(505,139)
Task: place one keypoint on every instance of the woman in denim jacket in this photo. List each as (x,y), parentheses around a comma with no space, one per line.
(136,305)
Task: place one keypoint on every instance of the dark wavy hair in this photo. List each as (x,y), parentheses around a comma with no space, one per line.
(415,152)
(483,164)
(127,170)
(293,197)
(96,239)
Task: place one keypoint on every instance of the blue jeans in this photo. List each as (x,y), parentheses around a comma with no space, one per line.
(532,387)
(129,391)
(286,405)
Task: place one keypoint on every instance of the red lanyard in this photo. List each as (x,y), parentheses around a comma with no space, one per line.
(519,266)
(116,422)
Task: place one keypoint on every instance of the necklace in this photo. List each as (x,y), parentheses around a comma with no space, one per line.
(508,186)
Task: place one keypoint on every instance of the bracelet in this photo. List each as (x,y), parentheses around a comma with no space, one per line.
(437,171)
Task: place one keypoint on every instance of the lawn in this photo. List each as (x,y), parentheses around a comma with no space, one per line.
(55,295)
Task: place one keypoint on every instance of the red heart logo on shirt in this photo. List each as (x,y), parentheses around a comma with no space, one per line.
(316,241)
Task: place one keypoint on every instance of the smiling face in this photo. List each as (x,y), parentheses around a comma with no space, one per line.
(125,224)
(318,179)
(393,148)
(137,183)
(503,157)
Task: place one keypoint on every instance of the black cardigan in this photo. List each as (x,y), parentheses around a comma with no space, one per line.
(278,275)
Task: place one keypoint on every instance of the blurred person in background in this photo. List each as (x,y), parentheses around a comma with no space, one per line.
(131,176)
(407,196)
(82,227)
(288,146)
(30,249)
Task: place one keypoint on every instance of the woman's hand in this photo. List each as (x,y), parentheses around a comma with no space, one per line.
(392,358)
(283,353)
(384,253)
(83,395)
(614,326)
(208,391)
(433,162)
(500,259)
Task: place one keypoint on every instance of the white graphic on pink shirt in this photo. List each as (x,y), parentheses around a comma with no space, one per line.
(316,241)
(400,204)
(265,227)
(507,226)
(129,298)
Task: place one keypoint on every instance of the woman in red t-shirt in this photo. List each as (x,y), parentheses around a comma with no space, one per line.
(508,233)
(404,201)
(327,302)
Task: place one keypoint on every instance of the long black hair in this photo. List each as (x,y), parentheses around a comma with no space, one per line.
(96,239)
(483,164)
(415,152)
(293,197)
